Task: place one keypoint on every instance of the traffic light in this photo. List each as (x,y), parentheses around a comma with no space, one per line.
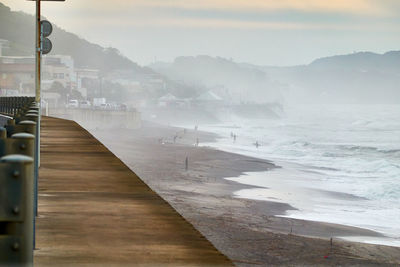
(46,30)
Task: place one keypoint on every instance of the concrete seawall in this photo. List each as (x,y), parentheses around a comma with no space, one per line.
(105,119)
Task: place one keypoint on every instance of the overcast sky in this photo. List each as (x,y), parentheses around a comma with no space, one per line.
(264,32)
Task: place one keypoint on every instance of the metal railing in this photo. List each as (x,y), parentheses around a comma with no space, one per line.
(19,151)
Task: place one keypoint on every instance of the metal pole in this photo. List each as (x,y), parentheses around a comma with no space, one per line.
(38,52)
(38,97)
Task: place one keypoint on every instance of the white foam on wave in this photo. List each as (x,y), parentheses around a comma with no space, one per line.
(316,202)
(352,150)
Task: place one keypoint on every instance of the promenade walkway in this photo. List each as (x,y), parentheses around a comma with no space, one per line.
(93,210)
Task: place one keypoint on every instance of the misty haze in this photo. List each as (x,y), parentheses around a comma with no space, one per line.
(272,128)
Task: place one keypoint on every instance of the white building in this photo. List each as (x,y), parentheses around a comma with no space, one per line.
(3,44)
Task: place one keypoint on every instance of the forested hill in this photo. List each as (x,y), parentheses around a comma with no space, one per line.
(365,61)
(19,29)
(356,78)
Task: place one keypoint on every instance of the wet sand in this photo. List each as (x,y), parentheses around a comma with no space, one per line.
(247,231)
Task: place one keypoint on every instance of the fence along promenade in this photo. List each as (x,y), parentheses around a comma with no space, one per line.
(18,179)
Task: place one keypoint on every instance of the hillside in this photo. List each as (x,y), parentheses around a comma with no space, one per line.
(19,29)
(356,78)
(225,77)
(363,61)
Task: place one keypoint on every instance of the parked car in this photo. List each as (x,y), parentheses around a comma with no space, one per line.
(123,107)
(73,103)
(98,102)
(106,106)
(85,104)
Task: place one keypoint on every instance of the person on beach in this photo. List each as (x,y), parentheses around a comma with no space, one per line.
(234,138)
(197,141)
(176,136)
(256,144)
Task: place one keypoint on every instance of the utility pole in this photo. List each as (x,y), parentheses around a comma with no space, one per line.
(38,54)
(42,46)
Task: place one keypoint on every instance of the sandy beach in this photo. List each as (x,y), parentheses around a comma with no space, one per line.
(247,231)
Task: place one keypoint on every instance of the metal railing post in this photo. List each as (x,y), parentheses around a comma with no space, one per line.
(16,210)
(18,180)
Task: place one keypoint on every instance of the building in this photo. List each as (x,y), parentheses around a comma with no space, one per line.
(87,78)
(60,69)
(17,74)
(3,44)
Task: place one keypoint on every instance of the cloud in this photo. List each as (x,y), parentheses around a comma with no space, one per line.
(343,15)
(239,14)
(342,5)
(367,7)
(357,7)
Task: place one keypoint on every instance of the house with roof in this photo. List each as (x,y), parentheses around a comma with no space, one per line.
(208,99)
(169,100)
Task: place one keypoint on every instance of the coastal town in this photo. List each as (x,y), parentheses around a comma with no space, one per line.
(66,86)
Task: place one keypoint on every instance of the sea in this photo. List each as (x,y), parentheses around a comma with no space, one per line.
(339,164)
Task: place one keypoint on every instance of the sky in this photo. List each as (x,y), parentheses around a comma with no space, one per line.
(263,32)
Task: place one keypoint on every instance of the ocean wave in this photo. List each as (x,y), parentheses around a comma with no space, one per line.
(354,152)
(384,191)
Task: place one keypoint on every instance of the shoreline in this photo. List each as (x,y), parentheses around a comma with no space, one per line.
(247,231)
(302,211)
(280,193)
